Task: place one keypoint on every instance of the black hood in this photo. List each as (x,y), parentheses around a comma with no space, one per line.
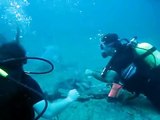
(12,50)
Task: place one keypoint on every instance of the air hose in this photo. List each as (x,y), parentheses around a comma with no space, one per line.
(6,75)
(35,58)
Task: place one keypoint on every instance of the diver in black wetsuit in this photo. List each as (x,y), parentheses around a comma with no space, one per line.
(20,95)
(133,66)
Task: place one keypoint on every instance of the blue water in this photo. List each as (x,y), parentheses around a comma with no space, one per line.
(68,32)
(74,27)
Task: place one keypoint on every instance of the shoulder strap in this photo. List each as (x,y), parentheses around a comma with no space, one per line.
(150,51)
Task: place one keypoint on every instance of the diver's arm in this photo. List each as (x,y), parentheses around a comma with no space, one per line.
(56,107)
(110,77)
(95,74)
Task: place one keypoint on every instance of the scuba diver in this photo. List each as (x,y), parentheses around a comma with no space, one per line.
(133,66)
(20,94)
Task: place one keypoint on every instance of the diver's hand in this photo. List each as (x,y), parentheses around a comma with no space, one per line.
(72,95)
(89,72)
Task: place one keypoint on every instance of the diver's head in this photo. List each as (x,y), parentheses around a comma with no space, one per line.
(12,50)
(109,44)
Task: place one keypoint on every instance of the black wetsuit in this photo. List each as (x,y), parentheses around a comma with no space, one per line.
(144,80)
(16,102)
